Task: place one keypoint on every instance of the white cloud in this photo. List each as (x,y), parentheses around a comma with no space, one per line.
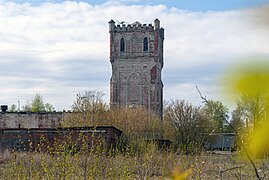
(60,49)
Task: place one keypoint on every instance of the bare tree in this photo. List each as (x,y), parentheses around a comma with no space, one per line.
(188,121)
(89,101)
(135,123)
(89,109)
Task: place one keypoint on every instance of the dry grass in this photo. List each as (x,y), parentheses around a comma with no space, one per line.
(151,164)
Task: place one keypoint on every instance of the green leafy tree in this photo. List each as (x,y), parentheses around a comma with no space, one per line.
(37,105)
(252,107)
(12,108)
(49,107)
(237,121)
(217,114)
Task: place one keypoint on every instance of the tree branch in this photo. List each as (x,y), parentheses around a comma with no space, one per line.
(237,135)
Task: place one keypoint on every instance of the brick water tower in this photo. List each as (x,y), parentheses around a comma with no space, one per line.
(136,56)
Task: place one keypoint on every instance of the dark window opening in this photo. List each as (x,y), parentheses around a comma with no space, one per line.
(145,45)
(122,45)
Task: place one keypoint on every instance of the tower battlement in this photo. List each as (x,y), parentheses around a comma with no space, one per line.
(136,26)
(131,27)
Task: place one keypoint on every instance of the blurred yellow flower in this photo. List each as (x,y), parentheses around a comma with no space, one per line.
(259,140)
(177,174)
(253,81)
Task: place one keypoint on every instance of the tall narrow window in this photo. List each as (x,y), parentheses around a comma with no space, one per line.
(122,45)
(145,45)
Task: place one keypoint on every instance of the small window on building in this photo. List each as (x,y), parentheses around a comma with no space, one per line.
(145,45)
(122,45)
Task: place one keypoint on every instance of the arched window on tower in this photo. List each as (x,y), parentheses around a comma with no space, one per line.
(122,45)
(145,45)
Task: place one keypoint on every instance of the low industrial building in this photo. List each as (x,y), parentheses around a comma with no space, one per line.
(222,142)
(41,139)
(30,119)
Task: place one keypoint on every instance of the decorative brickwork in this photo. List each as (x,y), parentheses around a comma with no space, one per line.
(136,56)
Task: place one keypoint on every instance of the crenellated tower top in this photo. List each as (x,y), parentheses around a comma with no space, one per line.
(136,26)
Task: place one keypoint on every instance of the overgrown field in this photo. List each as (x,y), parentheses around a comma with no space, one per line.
(149,164)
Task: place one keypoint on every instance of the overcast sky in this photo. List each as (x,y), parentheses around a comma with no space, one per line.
(59,48)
